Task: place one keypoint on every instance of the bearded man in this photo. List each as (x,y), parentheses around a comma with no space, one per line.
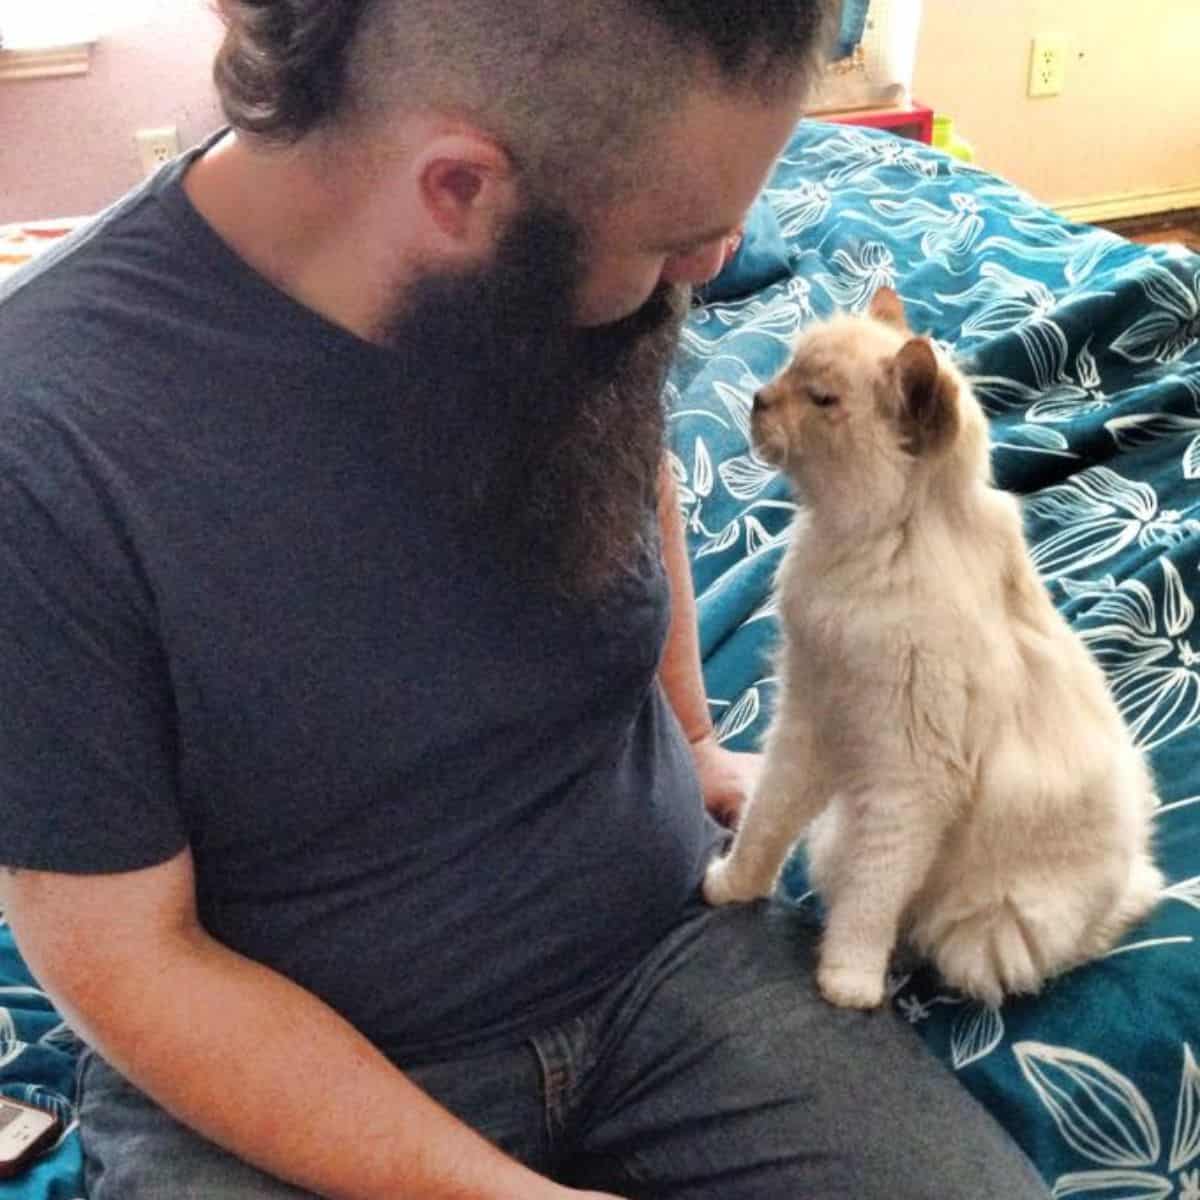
(358,778)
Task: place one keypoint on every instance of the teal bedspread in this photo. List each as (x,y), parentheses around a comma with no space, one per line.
(1085,349)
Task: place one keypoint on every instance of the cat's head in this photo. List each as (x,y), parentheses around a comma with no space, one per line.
(865,412)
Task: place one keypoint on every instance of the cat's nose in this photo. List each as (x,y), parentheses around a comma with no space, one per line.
(760,401)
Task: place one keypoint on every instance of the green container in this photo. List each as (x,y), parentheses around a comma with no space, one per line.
(944,138)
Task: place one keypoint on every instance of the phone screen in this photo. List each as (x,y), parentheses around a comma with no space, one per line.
(25,1131)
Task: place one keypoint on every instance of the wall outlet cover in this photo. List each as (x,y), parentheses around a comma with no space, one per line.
(157,147)
(1048,64)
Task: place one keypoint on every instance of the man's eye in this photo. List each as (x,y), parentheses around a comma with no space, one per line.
(823,399)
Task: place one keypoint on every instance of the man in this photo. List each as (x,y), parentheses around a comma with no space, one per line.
(345,815)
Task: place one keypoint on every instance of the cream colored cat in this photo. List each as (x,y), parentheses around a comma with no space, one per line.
(965,779)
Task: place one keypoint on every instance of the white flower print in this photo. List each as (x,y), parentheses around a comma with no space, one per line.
(1055,394)
(857,278)
(859,156)
(801,207)
(942,231)
(739,716)
(1099,513)
(999,300)
(1146,648)
(1104,1117)
(912,1009)
(977,1030)
(1166,333)
(1139,429)
(1046,239)
(777,313)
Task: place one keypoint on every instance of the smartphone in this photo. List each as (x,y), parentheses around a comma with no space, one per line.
(25,1131)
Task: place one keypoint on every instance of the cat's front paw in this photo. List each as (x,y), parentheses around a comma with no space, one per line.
(717,888)
(850,987)
(722,886)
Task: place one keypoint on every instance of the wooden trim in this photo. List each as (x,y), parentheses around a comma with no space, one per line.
(43,64)
(1136,204)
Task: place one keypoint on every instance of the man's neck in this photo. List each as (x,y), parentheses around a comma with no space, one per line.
(303,222)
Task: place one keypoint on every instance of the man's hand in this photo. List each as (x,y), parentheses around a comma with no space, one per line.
(727,778)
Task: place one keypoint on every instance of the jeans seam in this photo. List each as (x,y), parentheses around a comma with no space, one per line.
(82,1063)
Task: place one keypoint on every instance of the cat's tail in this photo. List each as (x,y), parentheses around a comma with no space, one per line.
(990,952)
(1013,945)
(1141,895)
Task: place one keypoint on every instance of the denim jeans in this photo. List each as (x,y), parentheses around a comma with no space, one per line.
(712,1070)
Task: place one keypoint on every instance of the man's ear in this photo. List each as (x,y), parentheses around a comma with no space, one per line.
(467,185)
(887,307)
(928,414)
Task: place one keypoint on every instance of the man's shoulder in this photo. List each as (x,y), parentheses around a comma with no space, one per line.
(62,314)
(71,381)
(71,246)
(97,326)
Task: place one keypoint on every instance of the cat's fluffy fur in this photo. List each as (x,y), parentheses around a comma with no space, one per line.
(965,778)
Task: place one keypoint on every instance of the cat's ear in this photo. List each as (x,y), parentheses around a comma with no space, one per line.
(887,307)
(928,414)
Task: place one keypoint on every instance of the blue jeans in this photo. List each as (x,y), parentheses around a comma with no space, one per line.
(712,1070)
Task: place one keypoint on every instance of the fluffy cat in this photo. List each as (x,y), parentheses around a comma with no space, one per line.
(964,778)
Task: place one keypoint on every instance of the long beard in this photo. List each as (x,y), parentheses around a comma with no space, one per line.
(557,430)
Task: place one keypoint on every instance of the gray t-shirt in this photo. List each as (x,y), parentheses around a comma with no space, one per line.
(237,613)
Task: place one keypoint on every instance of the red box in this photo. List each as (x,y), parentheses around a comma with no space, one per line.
(911,121)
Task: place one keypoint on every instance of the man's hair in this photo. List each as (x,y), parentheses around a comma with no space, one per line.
(561,84)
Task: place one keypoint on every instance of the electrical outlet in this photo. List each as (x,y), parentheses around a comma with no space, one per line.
(157,146)
(1048,64)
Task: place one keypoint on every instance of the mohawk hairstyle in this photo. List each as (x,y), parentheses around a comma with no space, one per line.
(557,82)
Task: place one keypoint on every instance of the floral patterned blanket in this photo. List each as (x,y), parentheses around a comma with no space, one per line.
(1085,349)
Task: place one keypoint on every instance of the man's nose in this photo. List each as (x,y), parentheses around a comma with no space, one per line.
(698,267)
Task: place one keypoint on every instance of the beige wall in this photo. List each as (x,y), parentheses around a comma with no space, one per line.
(1126,125)
(66,145)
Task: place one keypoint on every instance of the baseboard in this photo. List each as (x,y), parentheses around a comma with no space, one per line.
(1134,204)
(40,64)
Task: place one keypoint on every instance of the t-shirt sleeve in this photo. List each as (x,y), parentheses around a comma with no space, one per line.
(87,738)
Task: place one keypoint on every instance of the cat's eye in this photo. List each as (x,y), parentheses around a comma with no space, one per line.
(823,399)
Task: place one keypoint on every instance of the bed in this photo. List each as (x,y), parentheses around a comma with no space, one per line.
(1085,350)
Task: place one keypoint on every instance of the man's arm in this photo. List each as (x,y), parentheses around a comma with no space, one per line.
(726,778)
(238,1052)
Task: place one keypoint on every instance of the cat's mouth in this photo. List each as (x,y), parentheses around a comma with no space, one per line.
(768,443)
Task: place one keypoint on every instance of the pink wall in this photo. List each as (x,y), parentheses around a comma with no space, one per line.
(66,145)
